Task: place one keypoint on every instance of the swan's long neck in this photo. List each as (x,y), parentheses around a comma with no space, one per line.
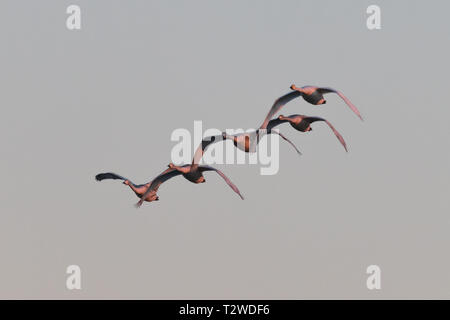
(185,169)
(133,186)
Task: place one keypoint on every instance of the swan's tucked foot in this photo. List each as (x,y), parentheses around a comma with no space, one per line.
(139,204)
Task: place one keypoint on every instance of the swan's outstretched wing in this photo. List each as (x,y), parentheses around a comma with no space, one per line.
(273,123)
(203,145)
(228,181)
(278,104)
(347,101)
(337,134)
(109,175)
(286,139)
(154,185)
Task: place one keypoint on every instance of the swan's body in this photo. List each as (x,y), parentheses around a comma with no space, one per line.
(314,95)
(311,94)
(246,142)
(138,189)
(193,173)
(303,123)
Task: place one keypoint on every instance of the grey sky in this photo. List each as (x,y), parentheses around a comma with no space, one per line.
(107,97)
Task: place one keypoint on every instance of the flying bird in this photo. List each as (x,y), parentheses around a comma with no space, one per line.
(246,142)
(278,104)
(303,123)
(193,173)
(314,95)
(138,189)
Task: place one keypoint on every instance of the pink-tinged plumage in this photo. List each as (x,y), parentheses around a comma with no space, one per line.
(138,189)
(246,142)
(278,104)
(193,173)
(314,95)
(303,123)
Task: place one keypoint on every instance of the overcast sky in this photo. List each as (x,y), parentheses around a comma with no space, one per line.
(108,97)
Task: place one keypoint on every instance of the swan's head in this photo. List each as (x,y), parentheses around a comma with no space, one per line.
(126,182)
(293,87)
